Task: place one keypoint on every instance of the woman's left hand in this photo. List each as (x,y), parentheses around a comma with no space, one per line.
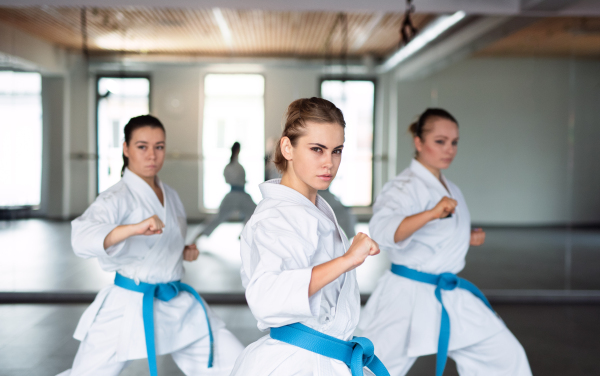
(190,252)
(477,237)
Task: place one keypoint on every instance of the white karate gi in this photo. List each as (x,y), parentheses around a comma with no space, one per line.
(402,317)
(111,330)
(234,201)
(344,216)
(285,238)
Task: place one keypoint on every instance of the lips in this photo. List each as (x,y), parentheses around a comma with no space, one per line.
(325,177)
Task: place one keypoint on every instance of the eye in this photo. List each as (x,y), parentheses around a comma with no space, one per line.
(441,142)
(337,151)
(316,149)
(160,147)
(142,147)
(454,143)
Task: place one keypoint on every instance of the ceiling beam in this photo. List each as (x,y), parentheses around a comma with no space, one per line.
(475,35)
(480,7)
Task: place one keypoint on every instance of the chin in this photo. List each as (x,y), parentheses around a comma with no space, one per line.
(321,185)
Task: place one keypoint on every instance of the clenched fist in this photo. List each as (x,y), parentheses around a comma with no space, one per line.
(361,248)
(477,237)
(190,252)
(150,226)
(444,208)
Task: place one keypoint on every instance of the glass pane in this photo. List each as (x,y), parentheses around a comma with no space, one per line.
(234,110)
(120,100)
(353,183)
(20,138)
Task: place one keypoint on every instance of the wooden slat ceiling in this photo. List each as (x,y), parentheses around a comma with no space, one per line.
(254,33)
(552,37)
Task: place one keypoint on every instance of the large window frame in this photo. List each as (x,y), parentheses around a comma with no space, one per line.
(29,206)
(374,81)
(98,97)
(255,195)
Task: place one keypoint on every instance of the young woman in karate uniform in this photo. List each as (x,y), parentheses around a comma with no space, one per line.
(137,229)
(297,265)
(237,199)
(421,219)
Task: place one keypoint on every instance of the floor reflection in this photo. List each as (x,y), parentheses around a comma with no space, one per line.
(36,255)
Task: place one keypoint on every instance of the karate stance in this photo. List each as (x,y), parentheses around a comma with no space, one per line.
(421,219)
(137,228)
(297,268)
(237,199)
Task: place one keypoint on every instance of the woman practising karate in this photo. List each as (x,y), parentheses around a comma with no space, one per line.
(421,307)
(137,228)
(237,199)
(297,268)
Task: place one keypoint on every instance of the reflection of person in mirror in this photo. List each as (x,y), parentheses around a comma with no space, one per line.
(297,265)
(421,219)
(237,200)
(137,228)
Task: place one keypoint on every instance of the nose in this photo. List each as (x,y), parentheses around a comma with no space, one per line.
(328,163)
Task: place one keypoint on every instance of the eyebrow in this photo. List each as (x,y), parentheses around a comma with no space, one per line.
(325,147)
(145,142)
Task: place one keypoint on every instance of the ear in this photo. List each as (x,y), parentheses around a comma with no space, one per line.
(286,148)
(125,149)
(418,144)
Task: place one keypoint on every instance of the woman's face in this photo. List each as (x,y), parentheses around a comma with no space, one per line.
(146,151)
(316,157)
(439,145)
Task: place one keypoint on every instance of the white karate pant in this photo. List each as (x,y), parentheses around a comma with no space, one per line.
(499,355)
(95,359)
(233,202)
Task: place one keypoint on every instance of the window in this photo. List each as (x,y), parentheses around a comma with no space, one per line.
(354,181)
(20,138)
(119,99)
(234,110)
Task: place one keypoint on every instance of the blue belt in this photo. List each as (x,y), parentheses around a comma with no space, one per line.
(237,188)
(164,292)
(444,281)
(356,353)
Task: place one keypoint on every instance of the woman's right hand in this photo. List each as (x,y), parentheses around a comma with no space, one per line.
(149,226)
(362,247)
(444,208)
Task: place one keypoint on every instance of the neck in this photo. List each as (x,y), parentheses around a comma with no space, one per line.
(435,171)
(289,179)
(151,180)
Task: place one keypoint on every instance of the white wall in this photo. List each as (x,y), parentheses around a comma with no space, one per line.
(513,164)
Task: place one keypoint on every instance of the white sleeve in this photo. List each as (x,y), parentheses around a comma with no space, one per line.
(89,230)
(394,203)
(279,276)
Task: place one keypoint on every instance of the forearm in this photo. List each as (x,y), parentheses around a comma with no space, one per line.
(119,234)
(411,224)
(324,274)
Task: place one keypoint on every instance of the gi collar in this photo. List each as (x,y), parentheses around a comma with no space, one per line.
(139,185)
(421,171)
(273,189)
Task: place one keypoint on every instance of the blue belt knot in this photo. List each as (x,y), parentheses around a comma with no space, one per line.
(357,353)
(164,292)
(448,282)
